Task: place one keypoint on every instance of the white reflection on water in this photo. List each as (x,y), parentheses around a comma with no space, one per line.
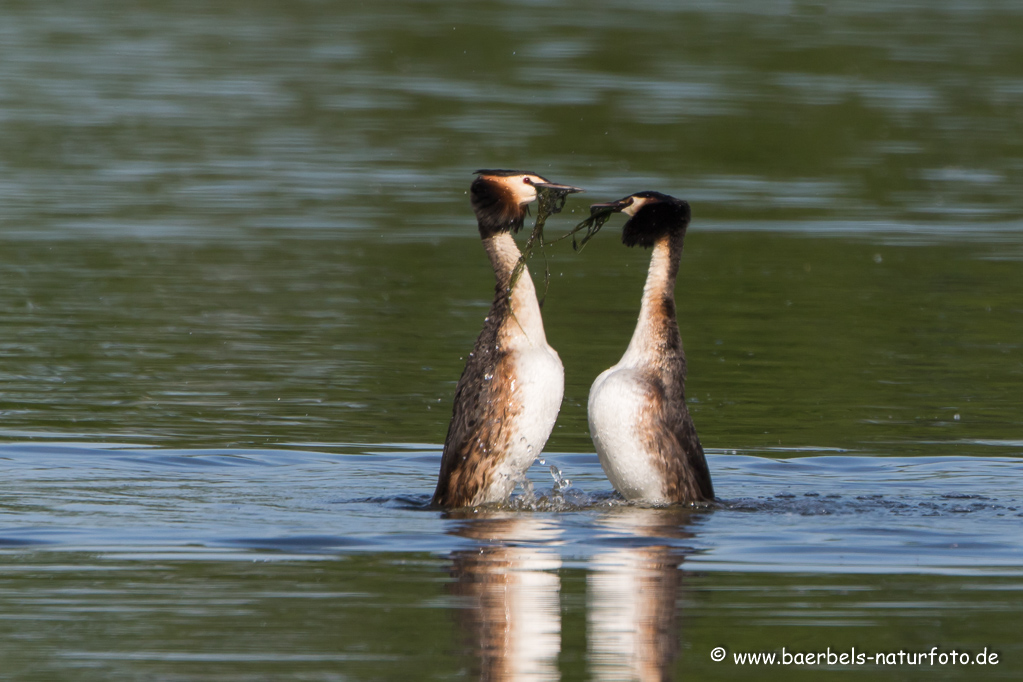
(509,594)
(513,616)
(632,599)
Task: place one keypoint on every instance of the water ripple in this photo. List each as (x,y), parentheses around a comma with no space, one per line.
(825,512)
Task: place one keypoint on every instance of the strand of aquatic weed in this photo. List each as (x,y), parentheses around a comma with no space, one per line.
(549,202)
(592,224)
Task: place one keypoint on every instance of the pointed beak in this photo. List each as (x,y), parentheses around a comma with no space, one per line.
(611,206)
(560,189)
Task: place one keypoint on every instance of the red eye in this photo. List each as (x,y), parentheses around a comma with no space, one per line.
(527,181)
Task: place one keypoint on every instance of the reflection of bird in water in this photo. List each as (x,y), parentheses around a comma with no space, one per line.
(640,425)
(509,395)
(632,598)
(509,590)
(510,597)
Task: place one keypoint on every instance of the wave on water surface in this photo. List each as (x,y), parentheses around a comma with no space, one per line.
(825,512)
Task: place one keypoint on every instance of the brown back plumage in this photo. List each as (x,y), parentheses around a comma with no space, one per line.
(481,410)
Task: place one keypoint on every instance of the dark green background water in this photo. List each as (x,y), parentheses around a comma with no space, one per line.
(245,225)
(791,341)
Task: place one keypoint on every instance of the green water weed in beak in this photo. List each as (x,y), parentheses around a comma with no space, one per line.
(550,200)
(599,215)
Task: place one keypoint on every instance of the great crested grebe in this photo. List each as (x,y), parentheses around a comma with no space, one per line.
(509,395)
(639,422)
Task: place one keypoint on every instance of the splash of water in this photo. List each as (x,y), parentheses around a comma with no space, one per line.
(560,482)
(528,496)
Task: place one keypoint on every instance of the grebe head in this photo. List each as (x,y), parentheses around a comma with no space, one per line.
(501,198)
(651,215)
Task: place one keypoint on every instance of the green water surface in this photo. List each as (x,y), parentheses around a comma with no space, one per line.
(245,224)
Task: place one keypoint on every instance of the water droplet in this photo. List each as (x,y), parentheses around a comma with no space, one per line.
(488,377)
(560,483)
(956,416)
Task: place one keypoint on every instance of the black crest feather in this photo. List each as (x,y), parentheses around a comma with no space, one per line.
(661,215)
(496,209)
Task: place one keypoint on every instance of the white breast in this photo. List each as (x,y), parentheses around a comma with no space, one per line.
(617,410)
(538,386)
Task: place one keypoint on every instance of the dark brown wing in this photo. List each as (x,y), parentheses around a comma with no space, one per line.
(478,418)
(673,438)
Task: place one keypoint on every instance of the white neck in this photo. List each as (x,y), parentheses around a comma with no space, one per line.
(660,283)
(524,320)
